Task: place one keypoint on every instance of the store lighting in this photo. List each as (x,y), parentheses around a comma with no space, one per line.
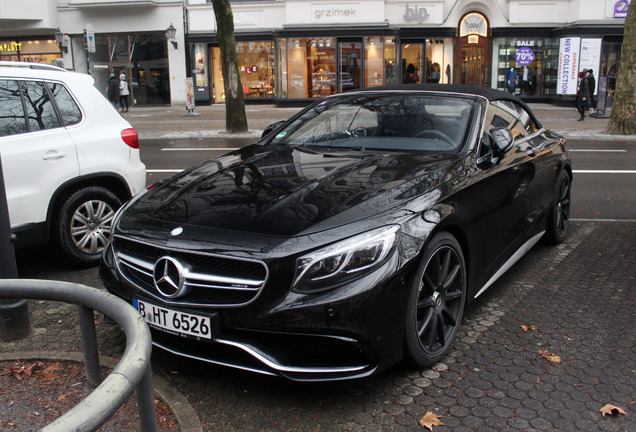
(297,43)
(313,44)
(321,44)
(372,41)
(328,43)
(170,35)
(59,38)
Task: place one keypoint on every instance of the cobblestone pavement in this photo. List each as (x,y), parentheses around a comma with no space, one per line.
(580,296)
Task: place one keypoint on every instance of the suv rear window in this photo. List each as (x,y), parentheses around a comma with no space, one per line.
(12,121)
(40,109)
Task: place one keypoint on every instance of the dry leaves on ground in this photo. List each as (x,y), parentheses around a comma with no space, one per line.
(610,409)
(550,356)
(429,420)
(526,328)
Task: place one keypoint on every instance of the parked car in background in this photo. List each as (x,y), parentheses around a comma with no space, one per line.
(350,236)
(69,159)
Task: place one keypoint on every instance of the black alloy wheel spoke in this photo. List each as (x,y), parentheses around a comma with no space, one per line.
(425,323)
(450,277)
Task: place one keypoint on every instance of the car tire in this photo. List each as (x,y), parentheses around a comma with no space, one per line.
(83,224)
(560,214)
(437,300)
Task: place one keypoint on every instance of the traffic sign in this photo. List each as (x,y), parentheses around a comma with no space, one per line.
(90,38)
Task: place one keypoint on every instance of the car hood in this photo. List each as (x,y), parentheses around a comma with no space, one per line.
(287,191)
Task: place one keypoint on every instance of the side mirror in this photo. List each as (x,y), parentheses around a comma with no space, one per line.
(271,128)
(502,140)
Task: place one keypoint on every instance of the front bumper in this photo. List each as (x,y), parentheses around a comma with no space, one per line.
(348,332)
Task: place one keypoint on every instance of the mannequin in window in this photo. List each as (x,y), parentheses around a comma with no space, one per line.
(511,80)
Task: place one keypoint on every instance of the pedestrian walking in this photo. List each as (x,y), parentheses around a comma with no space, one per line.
(592,84)
(583,95)
(123,93)
(113,90)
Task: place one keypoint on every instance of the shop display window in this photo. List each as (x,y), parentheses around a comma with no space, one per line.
(256,66)
(427,61)
(379,61)
(34,51)
(525,66)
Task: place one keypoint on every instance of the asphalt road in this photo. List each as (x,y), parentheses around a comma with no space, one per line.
(603,187)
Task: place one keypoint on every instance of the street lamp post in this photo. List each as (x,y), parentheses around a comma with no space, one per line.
(59,38)
(14,314)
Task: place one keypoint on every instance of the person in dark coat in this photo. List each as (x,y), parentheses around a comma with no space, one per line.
(592,84)
(583,96)
(113,90)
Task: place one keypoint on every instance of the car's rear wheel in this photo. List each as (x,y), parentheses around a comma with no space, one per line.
(560,217)
(83,224)
(437,300)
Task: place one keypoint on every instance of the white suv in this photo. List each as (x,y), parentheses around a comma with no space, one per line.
(69,159)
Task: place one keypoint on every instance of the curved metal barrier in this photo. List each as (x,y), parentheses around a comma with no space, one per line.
(133,372)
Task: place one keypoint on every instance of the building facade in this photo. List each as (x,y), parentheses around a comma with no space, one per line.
(297,50)
(102,37)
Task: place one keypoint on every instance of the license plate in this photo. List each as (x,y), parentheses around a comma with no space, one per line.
(175,322)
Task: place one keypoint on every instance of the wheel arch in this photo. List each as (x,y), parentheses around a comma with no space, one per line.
(113,182)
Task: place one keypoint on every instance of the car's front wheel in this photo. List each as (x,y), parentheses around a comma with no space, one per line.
(83,224)
(560,216)
(437,300)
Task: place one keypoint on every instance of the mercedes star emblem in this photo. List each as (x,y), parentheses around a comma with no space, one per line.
(168,276)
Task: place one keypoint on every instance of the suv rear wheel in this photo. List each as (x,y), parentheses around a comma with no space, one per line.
(82,225)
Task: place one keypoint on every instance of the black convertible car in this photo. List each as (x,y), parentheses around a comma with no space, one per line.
(350,236)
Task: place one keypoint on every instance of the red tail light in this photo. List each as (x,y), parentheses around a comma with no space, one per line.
(130,137)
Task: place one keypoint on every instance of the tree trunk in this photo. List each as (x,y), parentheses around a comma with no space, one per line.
(623,118)
(235,119)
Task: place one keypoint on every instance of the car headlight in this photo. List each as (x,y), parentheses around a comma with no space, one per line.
(340,262)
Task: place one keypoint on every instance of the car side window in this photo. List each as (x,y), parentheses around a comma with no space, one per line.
(12,120)
(40,110)
(69,111)
(526,119)
(507,116)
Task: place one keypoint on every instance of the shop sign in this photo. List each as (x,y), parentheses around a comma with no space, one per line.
(524,56)
(189,94)
(413,13)
(567,78)
(10,47)
(244,20)
(525,43)
(250,69)
(620,8)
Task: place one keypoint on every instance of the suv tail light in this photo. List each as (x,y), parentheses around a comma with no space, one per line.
(130,137)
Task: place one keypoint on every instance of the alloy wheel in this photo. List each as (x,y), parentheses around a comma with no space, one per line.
(440,301)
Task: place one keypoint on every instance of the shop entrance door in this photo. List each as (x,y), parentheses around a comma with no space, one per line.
(350,65)
(472,48)
(473,66)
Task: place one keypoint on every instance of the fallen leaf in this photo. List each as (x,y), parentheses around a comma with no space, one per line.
(429,420)
(609,409)
(550,356)
(526,328)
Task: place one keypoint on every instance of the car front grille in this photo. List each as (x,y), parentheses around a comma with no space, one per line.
(208,280)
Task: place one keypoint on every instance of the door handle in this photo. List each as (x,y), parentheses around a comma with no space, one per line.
(53,155)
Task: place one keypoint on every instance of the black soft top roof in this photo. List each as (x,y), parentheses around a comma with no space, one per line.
(489,93)
(486,92)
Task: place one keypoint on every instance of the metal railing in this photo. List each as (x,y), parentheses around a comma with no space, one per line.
(133,372)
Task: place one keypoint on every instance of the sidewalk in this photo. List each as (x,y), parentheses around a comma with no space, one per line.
(169,122)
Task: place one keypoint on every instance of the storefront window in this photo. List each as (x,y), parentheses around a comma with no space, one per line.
(256,66)
(609,67)
(412,66)
(142,58)
(427,61)
(35,51)
(379,55)
(525,66)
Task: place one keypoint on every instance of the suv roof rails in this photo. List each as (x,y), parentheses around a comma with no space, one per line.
(42,66)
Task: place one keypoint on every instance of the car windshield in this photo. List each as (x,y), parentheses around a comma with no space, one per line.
(402,122)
